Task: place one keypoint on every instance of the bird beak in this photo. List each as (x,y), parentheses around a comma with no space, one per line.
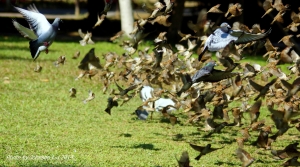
(228,26)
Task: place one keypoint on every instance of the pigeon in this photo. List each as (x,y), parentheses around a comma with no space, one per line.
(41,32)
(222,36)
(141,114)
(206,74)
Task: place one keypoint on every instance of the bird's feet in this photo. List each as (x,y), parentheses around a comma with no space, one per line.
(46,51)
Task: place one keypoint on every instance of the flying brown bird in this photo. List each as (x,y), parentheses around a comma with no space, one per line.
(86,38)
(72,92)
(234,9)
(292,88)
(38,68)
(60,60)
(289,151)
(76,55)
(111,102)
(90,97)
(245,157)
(184,160)
(292,162)
(262,89)
(254,111)
(215,9)
(203,150)
(100,19)
(287,40)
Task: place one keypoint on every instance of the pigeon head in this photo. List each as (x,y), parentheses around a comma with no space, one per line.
(225,27)
(56,23)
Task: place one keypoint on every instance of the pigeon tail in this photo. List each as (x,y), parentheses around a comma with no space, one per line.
(34,49)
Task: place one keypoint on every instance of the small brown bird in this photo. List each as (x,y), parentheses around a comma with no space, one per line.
(203,150)
(60,60)
(38,68)
(215,9)
(289,151)
(254,111)
(262,89)
(278,17)
(292,88)
(245,157)
(86,38)
(234,9)
(90,97)
(72,92)
(292,162)
(76,55)
(240,141)
(117,35)
(268,7)
(110,104)
(100,19)
(287,40)
(184,160)
(162,20)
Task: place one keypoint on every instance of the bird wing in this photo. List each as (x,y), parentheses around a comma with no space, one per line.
(37,21)
(255,85)
(81,34)
(26,32)
(216,76)
(244,37)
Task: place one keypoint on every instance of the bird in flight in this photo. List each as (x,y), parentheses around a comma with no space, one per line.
(41,32)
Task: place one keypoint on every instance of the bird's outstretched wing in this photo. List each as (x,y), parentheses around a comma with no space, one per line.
(26,32)
(37,21)
(244,37)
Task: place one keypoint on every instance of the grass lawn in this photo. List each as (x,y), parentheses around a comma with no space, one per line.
(40,125)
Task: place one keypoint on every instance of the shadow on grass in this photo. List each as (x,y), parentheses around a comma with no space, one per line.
(146,147)
(125,135)
(220,163)
(48,165)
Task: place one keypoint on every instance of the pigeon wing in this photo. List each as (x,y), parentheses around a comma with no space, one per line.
(217,75)
(26,32)
(37,21)
(244,37)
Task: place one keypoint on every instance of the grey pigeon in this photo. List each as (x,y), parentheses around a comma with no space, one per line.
(222,36)
(142,114)
(205,74)
(41,32)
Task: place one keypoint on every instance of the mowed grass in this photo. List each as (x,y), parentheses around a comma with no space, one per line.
(40,125)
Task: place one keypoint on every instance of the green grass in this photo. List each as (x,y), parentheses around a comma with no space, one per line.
(40,125)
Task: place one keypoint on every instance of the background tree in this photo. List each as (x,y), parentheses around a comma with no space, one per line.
(126,16)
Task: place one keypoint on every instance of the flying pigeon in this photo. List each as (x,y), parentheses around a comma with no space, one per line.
(206,74)
(41,32)
(222,36)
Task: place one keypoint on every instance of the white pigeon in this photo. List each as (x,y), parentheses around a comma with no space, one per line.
(222,36)
(41,32)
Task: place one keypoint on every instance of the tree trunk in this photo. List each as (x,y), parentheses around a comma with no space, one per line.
(77,9)
(176,21)
(126,16)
